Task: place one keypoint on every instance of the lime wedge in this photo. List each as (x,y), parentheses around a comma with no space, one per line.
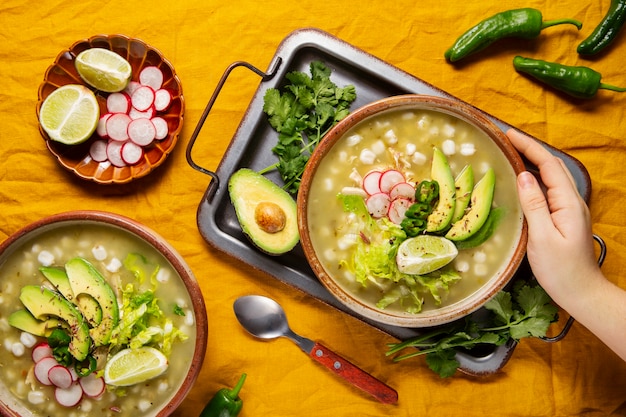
(423,254)
(132,366)
(70,114)
(103,69)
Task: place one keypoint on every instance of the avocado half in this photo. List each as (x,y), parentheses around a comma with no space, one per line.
(267,213)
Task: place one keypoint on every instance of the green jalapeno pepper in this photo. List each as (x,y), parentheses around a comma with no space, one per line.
(581,82)
(416,216)
(524,23)
(225,402)
(606,31)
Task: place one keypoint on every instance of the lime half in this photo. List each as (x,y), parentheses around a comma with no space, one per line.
(132,366)
(423,254)
(70,114)
(103,69)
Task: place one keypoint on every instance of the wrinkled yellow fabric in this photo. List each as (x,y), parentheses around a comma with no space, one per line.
(577,376)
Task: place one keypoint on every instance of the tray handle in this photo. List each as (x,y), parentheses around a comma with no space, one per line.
(571,320)
(214,185)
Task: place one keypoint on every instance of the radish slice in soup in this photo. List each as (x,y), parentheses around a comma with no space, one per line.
(69,397)
(60,376)
(389,179)
(378,205)
(42,368)
(398,208)
(402,190)
(92,385)
(371,182)
(41,351)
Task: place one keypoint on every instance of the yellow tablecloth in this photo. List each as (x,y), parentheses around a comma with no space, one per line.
(578,376)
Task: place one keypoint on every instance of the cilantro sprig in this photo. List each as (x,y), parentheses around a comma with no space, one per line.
(302,114)
(527,311)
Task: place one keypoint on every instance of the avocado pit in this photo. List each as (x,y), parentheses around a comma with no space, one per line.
(270,217)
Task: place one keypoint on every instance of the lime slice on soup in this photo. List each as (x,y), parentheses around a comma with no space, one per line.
(424,254)
(132,366)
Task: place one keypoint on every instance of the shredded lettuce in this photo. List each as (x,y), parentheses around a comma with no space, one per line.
(373,261)
(142,322)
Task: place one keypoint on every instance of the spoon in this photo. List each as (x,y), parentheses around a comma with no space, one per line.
(265,318)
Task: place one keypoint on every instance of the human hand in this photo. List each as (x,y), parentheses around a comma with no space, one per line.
(560,241)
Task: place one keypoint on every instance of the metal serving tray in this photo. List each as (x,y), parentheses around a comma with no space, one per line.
(251,147)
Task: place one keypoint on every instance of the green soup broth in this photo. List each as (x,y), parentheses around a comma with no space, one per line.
(404,139)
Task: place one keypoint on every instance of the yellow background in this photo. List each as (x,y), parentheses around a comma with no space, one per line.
(577,376)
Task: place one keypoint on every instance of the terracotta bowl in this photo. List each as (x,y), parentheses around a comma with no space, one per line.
(76,158)
(320,255)
(59,237)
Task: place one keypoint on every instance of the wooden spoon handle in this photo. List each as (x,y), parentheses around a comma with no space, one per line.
(353,374)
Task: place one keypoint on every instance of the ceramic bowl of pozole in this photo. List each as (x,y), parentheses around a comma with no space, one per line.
(98,315)
(408,211)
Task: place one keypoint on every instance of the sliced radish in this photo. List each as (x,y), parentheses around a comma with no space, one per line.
(390,178)
(42,368)
(378,204)
(60,376)
(131,87)
(147,114)
(161,127)
(151,76)
(398,208)
(371,182)
(118,103)
(114,153)
(98,150)
(41,351)
(141,131)
(101,130)
(162,99)
(131,153)
(92,385)
(74,374)
(69,397)
(143,98)
(402,190)
(117,126)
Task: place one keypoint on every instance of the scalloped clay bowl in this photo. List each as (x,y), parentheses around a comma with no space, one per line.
(75,158)
(104,239)
(400,132)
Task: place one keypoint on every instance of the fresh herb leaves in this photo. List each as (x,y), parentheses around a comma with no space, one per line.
(527,311)
(302,114)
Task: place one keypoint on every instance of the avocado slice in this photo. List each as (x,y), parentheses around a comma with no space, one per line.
(267,213)
(87,282)
(43,303)
(25,321)
(441,215)
(86,304)
(464,184)
(480,206)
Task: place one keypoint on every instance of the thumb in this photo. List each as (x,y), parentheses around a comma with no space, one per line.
(533,202)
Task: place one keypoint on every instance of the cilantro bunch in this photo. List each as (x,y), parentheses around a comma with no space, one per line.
(526,312)
(302,114)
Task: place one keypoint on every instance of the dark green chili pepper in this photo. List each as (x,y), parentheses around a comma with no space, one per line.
(581,82)
(524,23)
(606,31)
(225,402)
(416,216)
(86,367)
(427,191)
(59,341)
